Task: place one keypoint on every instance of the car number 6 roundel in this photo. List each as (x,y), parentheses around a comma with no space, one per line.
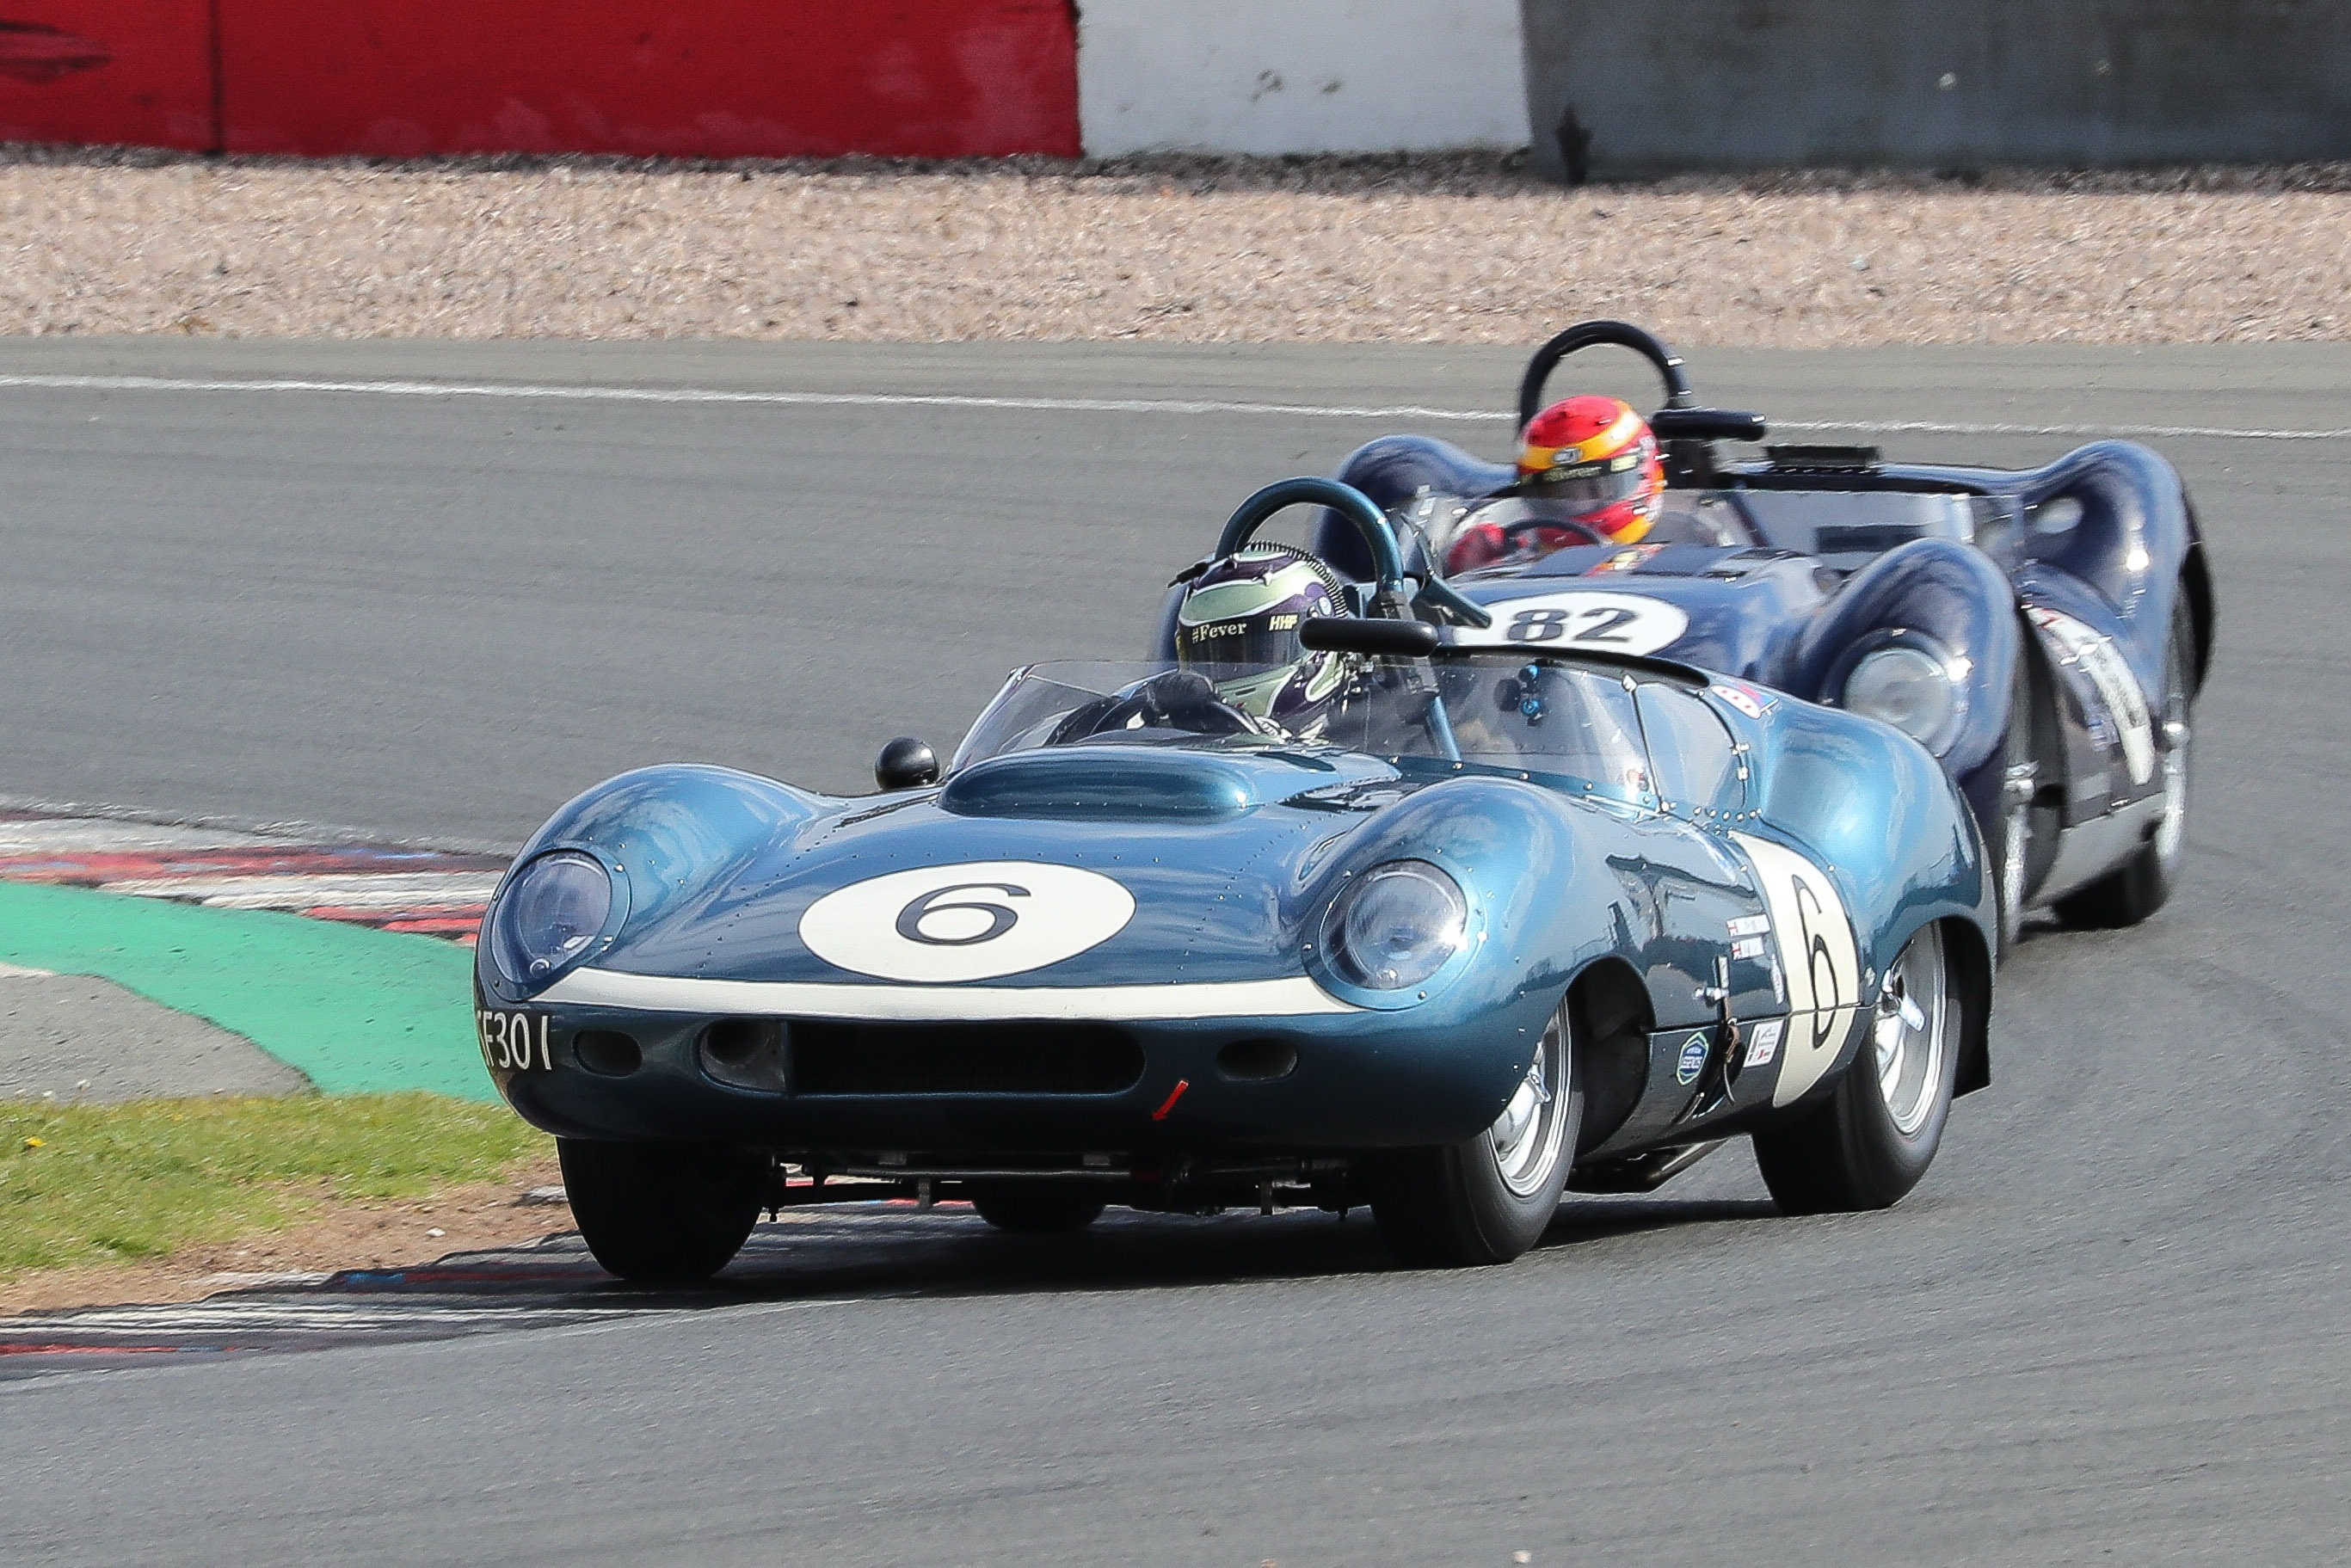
(973,922)
(1819,959)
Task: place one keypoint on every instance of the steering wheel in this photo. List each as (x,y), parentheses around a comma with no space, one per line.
(1178,699)
(1513,532)
(1390,599)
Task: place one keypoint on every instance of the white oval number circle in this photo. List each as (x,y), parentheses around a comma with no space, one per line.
(1819,961)
(974,922)
(1579,618)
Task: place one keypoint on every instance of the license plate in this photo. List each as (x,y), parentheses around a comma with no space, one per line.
(514,1043)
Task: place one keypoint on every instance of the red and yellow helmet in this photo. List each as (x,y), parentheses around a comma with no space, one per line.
(1592,460)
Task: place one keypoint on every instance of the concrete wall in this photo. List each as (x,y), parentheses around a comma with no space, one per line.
(1629,89)
(1299,75)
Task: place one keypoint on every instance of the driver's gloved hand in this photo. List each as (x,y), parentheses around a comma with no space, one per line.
(1183,693)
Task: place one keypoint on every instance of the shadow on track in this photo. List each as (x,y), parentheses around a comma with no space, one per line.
(841,1253)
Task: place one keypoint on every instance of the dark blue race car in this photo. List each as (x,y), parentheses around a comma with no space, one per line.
(2043,633)
(1512,915)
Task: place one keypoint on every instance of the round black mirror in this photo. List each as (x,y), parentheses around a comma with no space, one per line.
(906,764)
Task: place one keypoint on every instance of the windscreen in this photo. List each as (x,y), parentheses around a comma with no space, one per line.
(1845,528)
(1511,529)
(1548,717)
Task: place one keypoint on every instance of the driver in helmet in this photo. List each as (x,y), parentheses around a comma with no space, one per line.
(1241,668)
(1589,473)
(1238,627)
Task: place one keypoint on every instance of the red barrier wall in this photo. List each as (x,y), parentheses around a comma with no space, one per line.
(693,78)
(136,71)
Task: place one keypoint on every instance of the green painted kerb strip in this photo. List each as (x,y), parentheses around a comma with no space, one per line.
(357,1010)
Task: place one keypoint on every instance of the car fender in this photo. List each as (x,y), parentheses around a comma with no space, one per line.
(1946,595)
(666,835)
(2129,541)
(2108,704)
(1839,791)
(1391,470)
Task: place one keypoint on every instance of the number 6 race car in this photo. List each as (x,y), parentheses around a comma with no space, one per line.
(1516,914)
(2044,632)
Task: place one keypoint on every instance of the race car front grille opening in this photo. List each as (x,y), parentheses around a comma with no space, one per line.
(832,1058)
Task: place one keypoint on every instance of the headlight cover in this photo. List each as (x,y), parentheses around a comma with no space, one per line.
(1396,927)
(552,910)
(1910,689)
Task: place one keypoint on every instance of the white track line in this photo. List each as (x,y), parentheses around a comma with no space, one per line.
(754,399)
(707,395)
(2155,432)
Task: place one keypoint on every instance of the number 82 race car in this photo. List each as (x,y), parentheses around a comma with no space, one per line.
(2044,632)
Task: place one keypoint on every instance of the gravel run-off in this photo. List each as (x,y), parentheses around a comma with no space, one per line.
(1422,250)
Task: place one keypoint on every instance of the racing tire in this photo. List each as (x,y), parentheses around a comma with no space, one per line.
(1870,1141)
(1036,1208)
(2143,883)
(2020,842)
(1490,1198)
(662,1214)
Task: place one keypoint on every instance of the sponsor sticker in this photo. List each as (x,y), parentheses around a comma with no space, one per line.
(1747,947)
(1692,1061)
(2094,655)
(972,922)
(1750,926)
(1747,699)
(1763,1042)
(1577,619)
(1630,559)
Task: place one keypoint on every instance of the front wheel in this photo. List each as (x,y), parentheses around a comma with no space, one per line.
(1875,1135)
(1489,1198)
(667,1214)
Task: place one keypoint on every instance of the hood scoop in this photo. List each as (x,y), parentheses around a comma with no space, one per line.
(1104,782)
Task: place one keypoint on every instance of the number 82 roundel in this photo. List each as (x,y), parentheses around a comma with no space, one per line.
(1579,619)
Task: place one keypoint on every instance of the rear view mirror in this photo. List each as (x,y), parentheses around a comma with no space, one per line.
(1362,634)
(906,764)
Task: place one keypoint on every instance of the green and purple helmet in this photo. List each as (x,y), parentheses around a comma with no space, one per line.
(1239,625)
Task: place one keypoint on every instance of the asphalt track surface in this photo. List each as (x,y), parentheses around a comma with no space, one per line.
(2109,1324)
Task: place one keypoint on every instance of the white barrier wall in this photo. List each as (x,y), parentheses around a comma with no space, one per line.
(1300,76)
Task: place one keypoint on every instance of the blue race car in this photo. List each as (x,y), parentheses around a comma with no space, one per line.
(1508,914)
(2043,633)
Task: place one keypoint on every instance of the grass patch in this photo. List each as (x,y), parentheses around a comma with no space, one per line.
(113,1184)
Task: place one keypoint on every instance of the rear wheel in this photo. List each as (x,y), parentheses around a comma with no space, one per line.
(2144,884)
(667,1214)
(1875,1136)
(1489,1198)
(1036,1208)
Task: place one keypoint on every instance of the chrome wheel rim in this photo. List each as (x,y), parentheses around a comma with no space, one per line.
(2017,791)
(1527,1137)
(1908,1032)
(2172,831)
